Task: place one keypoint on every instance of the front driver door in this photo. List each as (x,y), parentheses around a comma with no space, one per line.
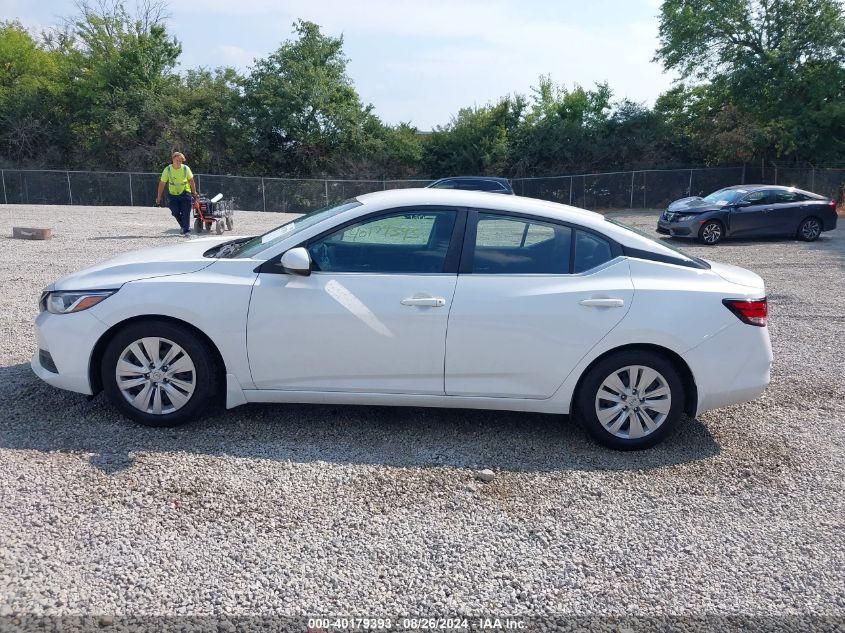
(372,315)
(753,219)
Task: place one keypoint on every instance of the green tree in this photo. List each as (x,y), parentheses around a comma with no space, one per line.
(560,130)
(33,80)
(211,103)
(303,110)
(773,73)
(475,142)
(125,97)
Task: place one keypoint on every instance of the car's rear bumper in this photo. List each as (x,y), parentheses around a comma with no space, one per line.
(67,340)
(732,366)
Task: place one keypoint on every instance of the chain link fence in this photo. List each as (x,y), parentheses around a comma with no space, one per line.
(642,189)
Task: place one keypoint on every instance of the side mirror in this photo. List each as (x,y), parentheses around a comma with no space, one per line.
(742,203)
(297,261)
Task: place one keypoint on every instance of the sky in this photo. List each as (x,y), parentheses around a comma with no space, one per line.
(420,62)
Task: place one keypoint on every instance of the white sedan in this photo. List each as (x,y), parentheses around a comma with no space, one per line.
(418,297)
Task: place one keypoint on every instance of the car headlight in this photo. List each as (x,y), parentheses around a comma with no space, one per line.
(65,302)
(681,218)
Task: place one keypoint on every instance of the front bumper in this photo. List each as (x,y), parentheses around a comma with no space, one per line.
(69,340)
(686,228)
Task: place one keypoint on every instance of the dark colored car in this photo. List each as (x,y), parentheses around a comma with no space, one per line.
(750,211)
(474,183)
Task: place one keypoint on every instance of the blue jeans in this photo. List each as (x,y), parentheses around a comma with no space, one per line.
(180,207)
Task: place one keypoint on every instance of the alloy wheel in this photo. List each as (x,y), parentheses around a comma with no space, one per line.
(633,401)
(711,233)
(156,375)
(811,229)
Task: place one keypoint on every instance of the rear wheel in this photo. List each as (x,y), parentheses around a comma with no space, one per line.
(197,225)
(158,373)
(711,232)
(810,229)
(230,223)
(630,400)
(218,227)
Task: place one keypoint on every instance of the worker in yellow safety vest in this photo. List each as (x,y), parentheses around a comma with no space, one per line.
(180,185)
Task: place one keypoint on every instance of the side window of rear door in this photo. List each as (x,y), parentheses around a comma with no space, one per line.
(515,245)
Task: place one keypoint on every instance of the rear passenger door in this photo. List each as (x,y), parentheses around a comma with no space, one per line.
(786,211)
(532,298)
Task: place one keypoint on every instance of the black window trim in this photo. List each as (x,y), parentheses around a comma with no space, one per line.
(453,254)
(468,257)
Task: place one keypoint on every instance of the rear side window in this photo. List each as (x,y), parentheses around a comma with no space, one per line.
(507,245)
(790,196)
(590,251)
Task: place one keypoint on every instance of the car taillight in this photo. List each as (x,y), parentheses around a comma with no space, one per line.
(832,204)
(750,311)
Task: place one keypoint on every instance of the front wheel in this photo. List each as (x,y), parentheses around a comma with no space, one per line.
(158,373)
(711,233)
(810,229)
(197,225)
(630,400)
(230,223)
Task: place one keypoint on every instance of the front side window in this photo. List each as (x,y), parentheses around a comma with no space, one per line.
(508,245)
(725,196)
(757,197)
(402,242)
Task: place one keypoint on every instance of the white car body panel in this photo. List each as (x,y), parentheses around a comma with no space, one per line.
(519,336)
(519,342)
(141,264)
(348,332)
(215,299)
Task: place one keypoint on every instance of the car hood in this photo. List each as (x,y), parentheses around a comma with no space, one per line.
(143,264)
(692,205)
(739,276)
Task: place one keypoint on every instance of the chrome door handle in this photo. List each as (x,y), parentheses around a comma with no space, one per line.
(427,302)
(603,303)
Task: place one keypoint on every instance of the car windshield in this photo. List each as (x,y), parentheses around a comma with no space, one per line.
(261,242)
(697,260)
(725,196)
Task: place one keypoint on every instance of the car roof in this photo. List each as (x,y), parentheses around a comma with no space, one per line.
(504,181)
(384,200)
(757,187)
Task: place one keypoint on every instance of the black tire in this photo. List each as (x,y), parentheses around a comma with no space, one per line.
(218,227)
(230,223)
(205,370)
(586,399)
(711,232)
(810,229)
(197,225)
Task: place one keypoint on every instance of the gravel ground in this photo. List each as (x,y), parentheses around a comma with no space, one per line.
(294,509)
